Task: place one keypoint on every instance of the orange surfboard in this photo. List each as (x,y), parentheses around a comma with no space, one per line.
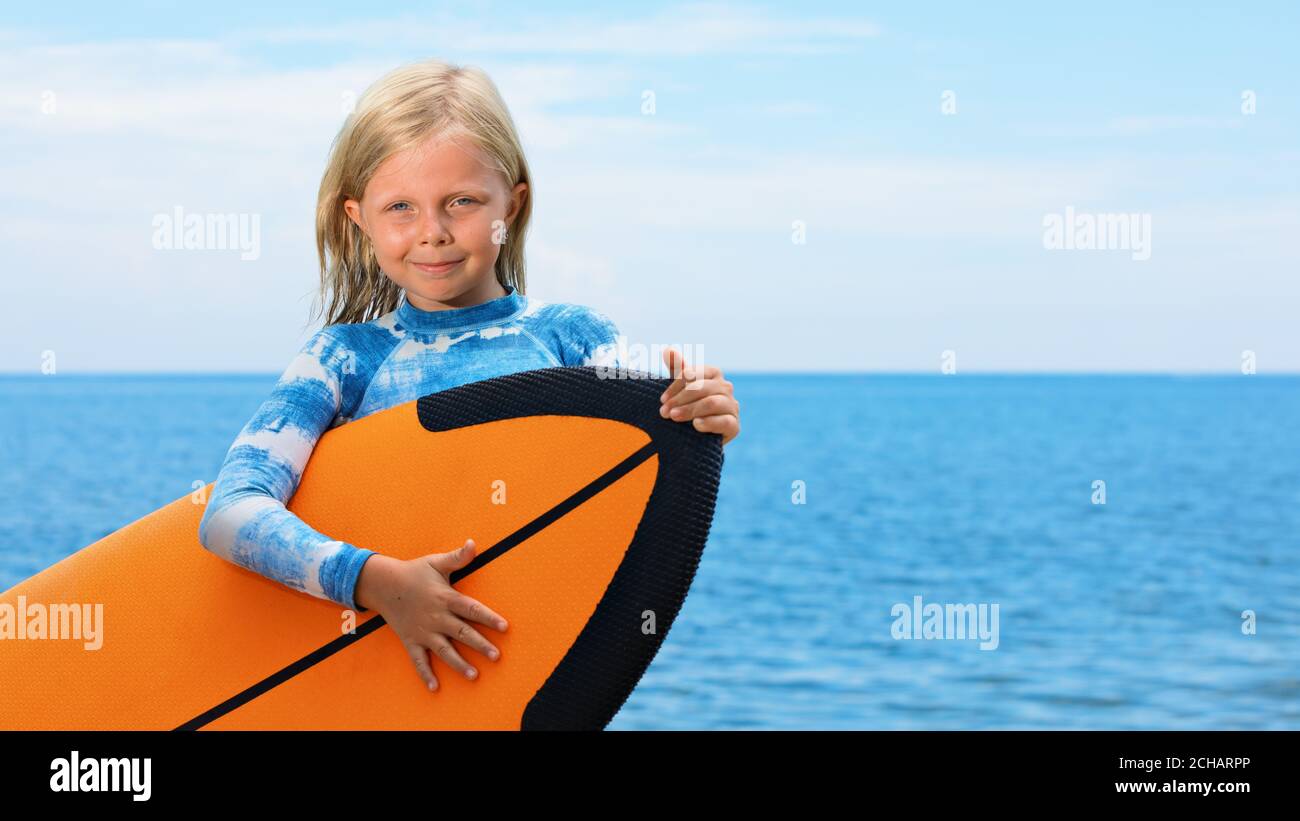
(589,511)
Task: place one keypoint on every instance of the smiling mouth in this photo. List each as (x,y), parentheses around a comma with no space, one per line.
(441,268)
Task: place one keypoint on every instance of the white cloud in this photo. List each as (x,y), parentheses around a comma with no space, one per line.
(1129,126)
(907,197)
(690,29)
(1150,124)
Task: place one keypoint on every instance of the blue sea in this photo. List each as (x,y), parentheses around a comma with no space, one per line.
(1171,603)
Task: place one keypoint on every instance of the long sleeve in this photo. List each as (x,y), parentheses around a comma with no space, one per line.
(590,338)
(246,521)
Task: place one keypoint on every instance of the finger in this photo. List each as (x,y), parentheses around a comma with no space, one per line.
(420,655)
(673,359)
(725,424)
(443,647)
(695,391)
(708,406)
(693,381)
(453,559)
(468,635)
(708,381)
(475,610)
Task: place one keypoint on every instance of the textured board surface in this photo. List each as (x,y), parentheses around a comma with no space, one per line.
(607,507)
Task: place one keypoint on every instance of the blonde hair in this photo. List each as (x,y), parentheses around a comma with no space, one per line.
(399,111)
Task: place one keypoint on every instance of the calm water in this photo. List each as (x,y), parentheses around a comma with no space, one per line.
(959,489)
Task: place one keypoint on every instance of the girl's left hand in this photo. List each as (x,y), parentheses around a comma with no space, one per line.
(701,395)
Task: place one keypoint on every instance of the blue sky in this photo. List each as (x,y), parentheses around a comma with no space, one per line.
(923,229)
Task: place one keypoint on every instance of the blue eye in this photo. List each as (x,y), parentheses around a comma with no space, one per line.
(458,199)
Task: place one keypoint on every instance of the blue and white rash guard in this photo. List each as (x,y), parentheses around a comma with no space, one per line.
(347,371)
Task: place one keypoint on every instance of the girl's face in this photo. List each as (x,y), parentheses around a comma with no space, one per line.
(438,203)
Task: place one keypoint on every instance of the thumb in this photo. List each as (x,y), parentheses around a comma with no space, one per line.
(670,357)
(454,559)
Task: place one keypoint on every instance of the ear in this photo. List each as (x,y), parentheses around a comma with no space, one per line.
(517,198)
(353,209)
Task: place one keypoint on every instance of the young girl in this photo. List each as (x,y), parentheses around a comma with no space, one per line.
(420,227)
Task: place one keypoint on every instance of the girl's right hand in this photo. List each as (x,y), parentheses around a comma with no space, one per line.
(416,598)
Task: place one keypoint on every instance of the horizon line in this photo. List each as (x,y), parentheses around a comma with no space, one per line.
(276,374)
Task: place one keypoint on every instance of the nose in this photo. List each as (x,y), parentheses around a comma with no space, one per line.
(432,231)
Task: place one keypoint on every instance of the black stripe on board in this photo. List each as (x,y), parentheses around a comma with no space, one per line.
(516,538)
